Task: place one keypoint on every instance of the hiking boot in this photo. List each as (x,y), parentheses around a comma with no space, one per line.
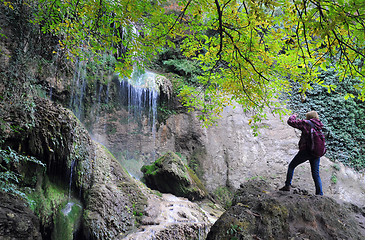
(285,188)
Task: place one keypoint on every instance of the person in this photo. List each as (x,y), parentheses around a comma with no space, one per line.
(304,153)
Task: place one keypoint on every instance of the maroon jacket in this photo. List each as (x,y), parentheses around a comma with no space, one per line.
(304,142)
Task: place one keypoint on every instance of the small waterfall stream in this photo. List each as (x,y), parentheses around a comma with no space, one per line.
(78,91)
(67,220)
(70,182)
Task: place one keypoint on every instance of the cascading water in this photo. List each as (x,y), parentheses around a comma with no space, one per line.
(70,182)
(76,101)
(119,113)
(140,94)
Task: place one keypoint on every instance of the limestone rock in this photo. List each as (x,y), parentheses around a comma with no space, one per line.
(110,195)
(227,154)
(259,212)
(52,134)
(169,174)
(173,218)
(16,220)
(113,200)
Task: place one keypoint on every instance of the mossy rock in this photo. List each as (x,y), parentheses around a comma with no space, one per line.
(169,174)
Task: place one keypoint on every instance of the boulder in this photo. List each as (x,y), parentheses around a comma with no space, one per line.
(259,212)
(169,174)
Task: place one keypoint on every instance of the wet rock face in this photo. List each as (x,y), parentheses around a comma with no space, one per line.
(113,199)
(16,220)
(57,138)
(51,134)
(170,175)
(259,212)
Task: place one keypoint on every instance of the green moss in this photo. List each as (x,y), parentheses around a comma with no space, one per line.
(149,169)
(334,178)
(224,195)
(195,178)
(65,224)
(157,193)
(154,167)
(107,151)
(44,201)
(194,162)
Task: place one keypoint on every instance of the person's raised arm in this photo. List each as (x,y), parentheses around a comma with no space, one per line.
(296,123)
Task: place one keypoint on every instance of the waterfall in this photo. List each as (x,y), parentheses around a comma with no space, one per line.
(67,209)
(139,94)
(70,182)
(120,113)
(142,97)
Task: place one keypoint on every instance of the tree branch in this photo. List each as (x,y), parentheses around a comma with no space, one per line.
(181,15)
(220,29)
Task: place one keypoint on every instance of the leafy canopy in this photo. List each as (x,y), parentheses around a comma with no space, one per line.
(248,49)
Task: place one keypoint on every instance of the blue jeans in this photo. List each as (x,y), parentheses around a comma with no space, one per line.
(300,158)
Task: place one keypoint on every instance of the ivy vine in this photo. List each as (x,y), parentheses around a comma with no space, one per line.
(342,114)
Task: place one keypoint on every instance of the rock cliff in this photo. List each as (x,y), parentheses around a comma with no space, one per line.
(228,154)
(76,165)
